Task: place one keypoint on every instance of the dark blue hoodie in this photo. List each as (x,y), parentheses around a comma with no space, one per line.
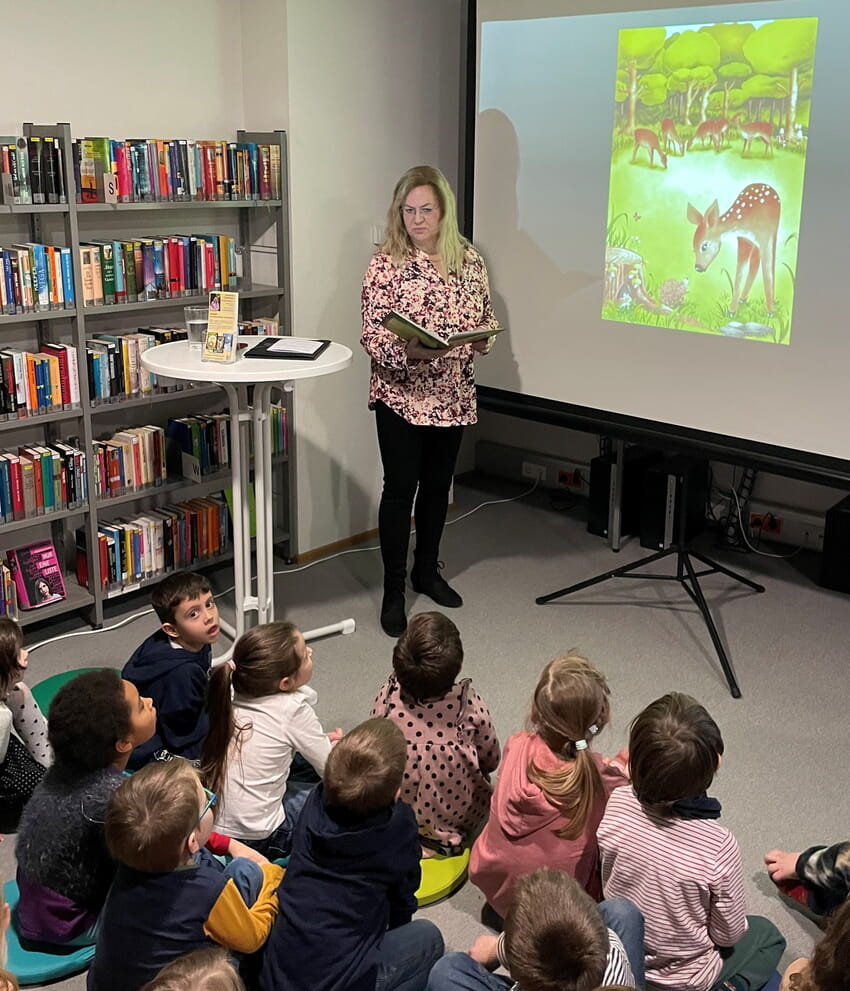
(176,680)
(347,882)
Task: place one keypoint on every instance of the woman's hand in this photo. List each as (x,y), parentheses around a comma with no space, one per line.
(418,352)
(485,346)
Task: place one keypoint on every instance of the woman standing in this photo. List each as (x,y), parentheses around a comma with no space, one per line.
(422,397)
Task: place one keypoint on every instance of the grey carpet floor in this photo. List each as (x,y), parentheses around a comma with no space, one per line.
(781,783)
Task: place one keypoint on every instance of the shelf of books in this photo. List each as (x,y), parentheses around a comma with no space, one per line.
(110,478)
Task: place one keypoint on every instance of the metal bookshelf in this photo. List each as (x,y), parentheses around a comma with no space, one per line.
(254,222)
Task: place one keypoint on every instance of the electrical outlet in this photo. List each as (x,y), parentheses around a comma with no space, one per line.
(531,470)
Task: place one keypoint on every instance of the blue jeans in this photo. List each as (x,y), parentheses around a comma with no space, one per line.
(245,874)
(279,843)
(625,919)
(406,955)
(459,972)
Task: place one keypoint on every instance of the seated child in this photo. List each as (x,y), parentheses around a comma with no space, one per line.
(552,787)
(172,665)
(24,753)
(349,891)
(829,968)
(663,849)
(64,869)
(452,748)
(555,936)
(261,715)
(162,903)
(818,878)
(203,970)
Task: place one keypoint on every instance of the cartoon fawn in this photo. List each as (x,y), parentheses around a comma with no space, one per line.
(711,130)
(754,130)
(754,220)
(644,138)
(670,138)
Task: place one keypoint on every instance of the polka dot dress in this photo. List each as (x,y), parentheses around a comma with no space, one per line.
(452,749)
(25,756)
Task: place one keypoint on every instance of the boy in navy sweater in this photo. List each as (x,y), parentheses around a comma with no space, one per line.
(352,878)
(172,666)
(163,903)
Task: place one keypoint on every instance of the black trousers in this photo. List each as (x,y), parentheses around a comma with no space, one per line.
(420,462)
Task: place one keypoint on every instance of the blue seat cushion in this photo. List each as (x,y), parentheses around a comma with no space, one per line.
(39,963)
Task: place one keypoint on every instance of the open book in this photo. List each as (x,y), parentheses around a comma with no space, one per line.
(405,328)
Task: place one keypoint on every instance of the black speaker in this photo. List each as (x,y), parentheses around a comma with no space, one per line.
(661,499)
(835,560)
(636,460)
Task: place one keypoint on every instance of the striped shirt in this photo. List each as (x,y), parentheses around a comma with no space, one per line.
(685,876)
(617,969)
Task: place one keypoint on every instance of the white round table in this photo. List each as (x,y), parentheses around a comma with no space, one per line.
(177,360)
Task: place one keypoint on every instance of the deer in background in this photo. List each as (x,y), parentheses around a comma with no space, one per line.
(644,138)
(754,220)
(670,138)
(754,130)
(711,130)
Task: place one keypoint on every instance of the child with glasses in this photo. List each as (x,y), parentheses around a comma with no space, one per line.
(165,902)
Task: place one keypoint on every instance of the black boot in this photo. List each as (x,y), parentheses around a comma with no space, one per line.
(393,618)
(428,580)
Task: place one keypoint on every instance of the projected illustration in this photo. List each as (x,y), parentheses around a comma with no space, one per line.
(707,164)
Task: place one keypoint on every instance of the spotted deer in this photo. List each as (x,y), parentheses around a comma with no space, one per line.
(644,138)
(754,220)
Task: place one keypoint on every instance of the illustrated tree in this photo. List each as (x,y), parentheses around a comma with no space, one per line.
(691,58)
(784,49)
(760,88)
(636,54)
(733,67)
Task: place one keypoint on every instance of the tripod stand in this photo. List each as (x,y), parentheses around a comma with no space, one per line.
(686,575)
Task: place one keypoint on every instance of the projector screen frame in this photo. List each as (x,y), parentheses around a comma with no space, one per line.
(806,466)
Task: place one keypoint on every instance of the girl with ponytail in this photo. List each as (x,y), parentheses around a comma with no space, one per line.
(261,711)
(552,787)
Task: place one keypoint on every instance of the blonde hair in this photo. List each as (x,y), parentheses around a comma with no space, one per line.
(451,245)
(152,814)
(570,698)
(203,970)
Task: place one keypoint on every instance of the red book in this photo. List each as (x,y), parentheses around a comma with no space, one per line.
(209,267)
(265,172)
(208,152)
(125,181)
(175,267)
(59,352)
(16,481)
(37,575)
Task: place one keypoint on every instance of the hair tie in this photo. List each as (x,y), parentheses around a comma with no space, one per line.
(231,663)
(593,730)
(581,744)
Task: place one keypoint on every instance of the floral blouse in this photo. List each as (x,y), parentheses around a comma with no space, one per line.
(440,392)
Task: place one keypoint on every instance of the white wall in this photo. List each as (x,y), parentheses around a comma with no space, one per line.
(373,89)
(157,68)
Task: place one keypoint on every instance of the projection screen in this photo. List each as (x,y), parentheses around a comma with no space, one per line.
(661,198)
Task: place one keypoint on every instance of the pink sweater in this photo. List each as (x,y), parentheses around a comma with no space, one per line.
(520,835)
